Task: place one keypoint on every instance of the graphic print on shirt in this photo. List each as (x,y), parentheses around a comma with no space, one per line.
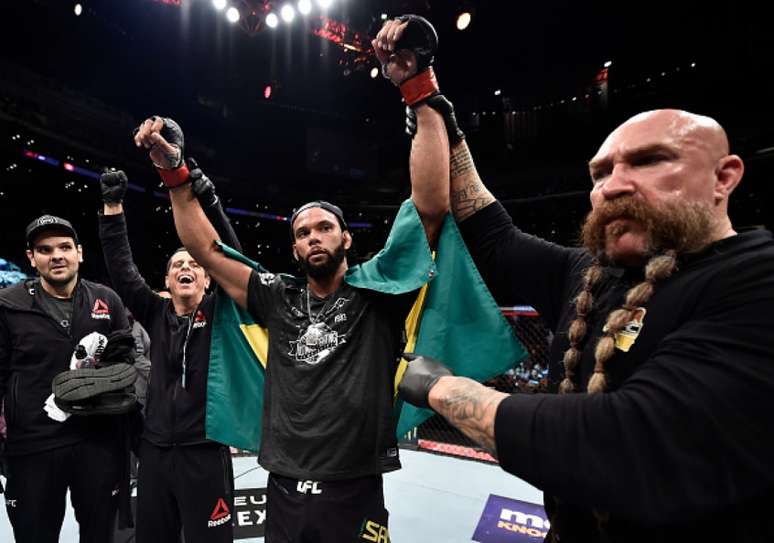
(266,278)
(319,340)
(624,340)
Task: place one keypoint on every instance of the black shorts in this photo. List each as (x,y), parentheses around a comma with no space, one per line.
(326,511)
(185,486)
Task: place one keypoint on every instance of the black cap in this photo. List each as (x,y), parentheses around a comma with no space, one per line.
(51,223)
(327,206)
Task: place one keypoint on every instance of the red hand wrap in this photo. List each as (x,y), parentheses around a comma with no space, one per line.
(174,178)
(419,87)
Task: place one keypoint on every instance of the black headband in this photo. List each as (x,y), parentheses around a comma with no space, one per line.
(327,206)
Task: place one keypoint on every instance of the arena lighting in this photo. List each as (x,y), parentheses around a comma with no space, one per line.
(498,92)
(267,92)
(374,72)
(383,16)
(220,5)
(608,64)
(287,13)
(78,9)
(162,195)
(324,4)
(463,20)
(304,7)
(232,14)
(272,20)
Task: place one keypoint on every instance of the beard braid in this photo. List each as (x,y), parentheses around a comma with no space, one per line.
(670,226)
(658,268)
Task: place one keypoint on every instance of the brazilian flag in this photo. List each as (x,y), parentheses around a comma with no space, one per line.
(454,319)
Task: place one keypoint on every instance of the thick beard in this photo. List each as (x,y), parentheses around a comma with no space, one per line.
(682,227)
(327,268)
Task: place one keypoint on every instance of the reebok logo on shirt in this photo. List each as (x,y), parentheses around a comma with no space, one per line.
(100,310)
(220,515)
(200,321)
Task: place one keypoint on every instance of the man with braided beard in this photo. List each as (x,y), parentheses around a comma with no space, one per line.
(662,330)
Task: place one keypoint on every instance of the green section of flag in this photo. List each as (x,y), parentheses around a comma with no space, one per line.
(236,374)
(460,323)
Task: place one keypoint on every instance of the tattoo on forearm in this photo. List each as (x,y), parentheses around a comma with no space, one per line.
(471,407)
(468,193)
(172,157)
(461,161)
(467,200)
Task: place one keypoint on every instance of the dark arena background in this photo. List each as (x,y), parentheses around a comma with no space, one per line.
(280,114)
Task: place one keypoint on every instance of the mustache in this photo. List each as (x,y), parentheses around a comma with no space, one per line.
(684,227)
(320,251)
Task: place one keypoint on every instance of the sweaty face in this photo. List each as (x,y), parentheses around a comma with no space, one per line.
(320,244)
(56,258)
(654,181)
(186,278)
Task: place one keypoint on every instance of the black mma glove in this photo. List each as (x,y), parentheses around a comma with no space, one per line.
(420,38)
(177,174)
(202,186)
(113,186)
(421,375)
(172,132)
(445,108)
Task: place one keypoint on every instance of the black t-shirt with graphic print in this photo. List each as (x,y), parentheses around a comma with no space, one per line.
(328,397)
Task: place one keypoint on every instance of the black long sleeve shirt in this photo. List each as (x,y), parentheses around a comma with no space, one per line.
(174,414)
(682,446)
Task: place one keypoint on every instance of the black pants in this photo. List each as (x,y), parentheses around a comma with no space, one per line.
(185,486)
(326,511)
(37,486)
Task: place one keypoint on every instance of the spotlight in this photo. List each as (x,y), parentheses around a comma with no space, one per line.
(498,92)
(324,4)
(232,14)
(272,20)
(267,92)
(287,13)
(384,16)
(220,5)
(374,72)
(608,63)
(78,9)
(463,20)
(304,7)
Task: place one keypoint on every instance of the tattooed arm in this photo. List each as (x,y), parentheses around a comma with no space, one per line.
(468,406)
(468,193)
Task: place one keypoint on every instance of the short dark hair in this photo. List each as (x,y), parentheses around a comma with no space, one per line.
(169,260)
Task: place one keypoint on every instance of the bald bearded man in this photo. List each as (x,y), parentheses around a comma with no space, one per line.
(663,355)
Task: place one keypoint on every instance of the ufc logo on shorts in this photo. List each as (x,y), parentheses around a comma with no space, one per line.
(308,486)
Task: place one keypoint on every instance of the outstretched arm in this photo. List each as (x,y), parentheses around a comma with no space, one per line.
(199,236)
(429,171)
(193,227)
(404,47)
